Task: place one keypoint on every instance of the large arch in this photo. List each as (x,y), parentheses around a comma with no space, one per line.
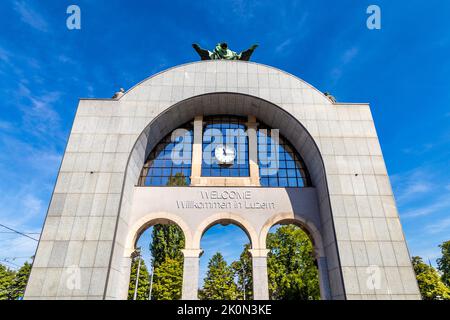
(275,113)
(152,219)
(225,103)
(226,218)
(317,241)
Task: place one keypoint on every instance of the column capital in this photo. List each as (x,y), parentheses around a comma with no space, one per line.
(192,253)
(259,253)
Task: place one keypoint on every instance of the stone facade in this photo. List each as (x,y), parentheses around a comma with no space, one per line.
(97,211)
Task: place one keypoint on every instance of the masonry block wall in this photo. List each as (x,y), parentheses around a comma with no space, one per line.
(83,251)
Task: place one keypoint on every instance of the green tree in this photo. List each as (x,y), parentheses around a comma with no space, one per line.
(6,282)
(143,283)
(444,263)
(20,281)
(219,282)
(168,240)
(168,280)
(293,274)
(430,285)
(178,180)
(243,273)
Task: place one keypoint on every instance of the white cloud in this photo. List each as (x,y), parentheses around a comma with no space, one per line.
(39,116)
(434,207)
(4,55)
(24,212)
(421,192)
(347,57)
(411,185)
(282,46)
(419,149)
(244,9)
(439,226)
(30,16)
(413,189)
(5,125)
(24,198)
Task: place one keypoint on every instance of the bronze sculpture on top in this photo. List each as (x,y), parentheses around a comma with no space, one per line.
(222,52)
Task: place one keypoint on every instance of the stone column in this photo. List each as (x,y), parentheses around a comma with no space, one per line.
(191,269)
(196,171)
(253,150)
(260,277)
(324,282)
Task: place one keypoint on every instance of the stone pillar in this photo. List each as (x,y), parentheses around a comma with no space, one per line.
(196,172)
(260,276)
(324,282)
(253,150)
(191,269)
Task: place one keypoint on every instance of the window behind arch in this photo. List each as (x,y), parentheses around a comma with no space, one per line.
(169,163)
(279,163)
(216,131)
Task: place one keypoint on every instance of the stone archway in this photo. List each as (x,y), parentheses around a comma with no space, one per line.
(152,219)
(144,223)
(316,238)
(225,218)
(269,113)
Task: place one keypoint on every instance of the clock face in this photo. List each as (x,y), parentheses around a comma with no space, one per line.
(225,154)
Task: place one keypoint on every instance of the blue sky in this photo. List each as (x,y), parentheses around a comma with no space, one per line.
(403,70)
(228,240)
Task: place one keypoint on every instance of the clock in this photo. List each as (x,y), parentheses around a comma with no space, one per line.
(225,154)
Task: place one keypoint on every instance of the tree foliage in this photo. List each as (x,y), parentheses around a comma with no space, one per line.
(178,180)
(19,282)
(168,280)
(168,240)
(13,283)
(6,282)
(444,263)
(293,274)
(430,285)
(143,283)
(219,282)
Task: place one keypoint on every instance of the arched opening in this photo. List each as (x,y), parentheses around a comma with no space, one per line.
(272,116)
(226,263)
(292,266)
(157,262)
